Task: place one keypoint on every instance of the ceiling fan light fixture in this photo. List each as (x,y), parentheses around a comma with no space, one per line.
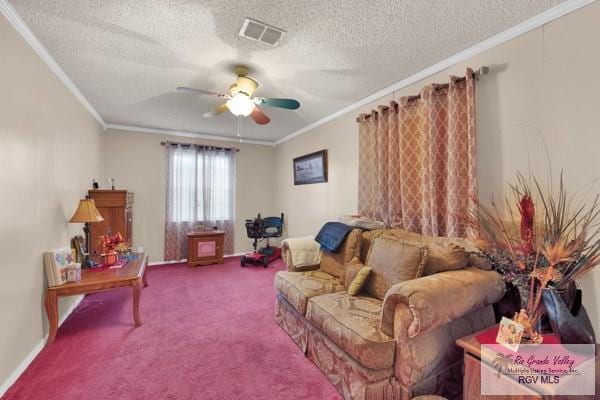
(239,100)
(240,104)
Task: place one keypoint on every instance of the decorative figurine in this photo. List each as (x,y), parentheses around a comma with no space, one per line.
(530,335)
(74,272)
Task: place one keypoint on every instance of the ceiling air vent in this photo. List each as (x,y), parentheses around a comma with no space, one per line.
(261,32)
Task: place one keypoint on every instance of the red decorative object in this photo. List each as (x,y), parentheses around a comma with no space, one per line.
(109,244)
(527,211)
(111,258)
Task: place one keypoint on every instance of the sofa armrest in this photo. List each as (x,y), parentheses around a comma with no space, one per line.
(301,254)
(432,301)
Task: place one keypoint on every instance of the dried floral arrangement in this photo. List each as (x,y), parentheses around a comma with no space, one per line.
(538,239)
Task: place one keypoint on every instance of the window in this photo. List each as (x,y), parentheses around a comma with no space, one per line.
(201,185)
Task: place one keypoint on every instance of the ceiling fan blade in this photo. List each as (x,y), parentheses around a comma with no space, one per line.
(259,117)
(201,92)
(289,104)
(218,110)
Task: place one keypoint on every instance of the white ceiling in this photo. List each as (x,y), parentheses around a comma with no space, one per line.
(127,56)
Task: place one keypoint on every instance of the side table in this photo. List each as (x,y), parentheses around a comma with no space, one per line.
(472,375)
(132,274)
(205,247)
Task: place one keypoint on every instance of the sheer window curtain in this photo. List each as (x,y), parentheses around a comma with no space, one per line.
(200,188)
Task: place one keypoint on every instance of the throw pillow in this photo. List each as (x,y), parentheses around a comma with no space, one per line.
(443,254)
(334,263)
(446,257)
(393,261)
(366,240)
(350,271)
(359,281)
(473,250)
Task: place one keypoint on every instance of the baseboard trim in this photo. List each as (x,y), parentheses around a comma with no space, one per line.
(12,378)
(155,263)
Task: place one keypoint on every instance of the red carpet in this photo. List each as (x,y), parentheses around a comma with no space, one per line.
(208,333)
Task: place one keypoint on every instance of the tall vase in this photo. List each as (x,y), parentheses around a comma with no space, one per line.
(571,326)
(571,297)
(509,304)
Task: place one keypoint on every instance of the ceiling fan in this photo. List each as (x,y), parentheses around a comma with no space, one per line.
(240,101)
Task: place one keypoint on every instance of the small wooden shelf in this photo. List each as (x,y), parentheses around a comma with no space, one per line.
(205,248)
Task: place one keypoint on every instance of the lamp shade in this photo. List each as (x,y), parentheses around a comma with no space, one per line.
(86,212)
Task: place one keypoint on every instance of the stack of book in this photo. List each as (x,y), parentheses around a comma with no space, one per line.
(56,263)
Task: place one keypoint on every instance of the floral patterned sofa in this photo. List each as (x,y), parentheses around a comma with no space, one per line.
(394,340)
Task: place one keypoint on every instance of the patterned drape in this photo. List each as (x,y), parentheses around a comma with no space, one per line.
(417,160)
(200,188)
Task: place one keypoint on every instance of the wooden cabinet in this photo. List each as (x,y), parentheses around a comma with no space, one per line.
(116,207)
(205,248)
(472,383)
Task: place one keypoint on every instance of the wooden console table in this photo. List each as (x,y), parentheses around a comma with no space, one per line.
(131,274)
(472,375)
(205,248)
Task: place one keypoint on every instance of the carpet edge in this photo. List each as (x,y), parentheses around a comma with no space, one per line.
(16,373)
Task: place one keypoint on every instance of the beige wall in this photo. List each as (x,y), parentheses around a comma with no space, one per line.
(308,206)
(137,162)
(50,149)
(542,92)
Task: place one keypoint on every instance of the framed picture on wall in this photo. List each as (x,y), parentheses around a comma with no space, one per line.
(310,168)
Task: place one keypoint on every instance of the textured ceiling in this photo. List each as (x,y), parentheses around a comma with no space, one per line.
(127,57)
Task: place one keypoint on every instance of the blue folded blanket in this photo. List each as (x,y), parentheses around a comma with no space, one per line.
(332,235)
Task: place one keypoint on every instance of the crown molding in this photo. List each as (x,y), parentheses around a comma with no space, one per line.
(545,17)
(11,15)
(502,37)
(15,20)
(197,135)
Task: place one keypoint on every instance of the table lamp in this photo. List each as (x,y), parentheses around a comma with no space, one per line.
(86,213)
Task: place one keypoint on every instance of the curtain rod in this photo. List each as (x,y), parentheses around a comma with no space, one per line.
(476,74)
(204,146)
